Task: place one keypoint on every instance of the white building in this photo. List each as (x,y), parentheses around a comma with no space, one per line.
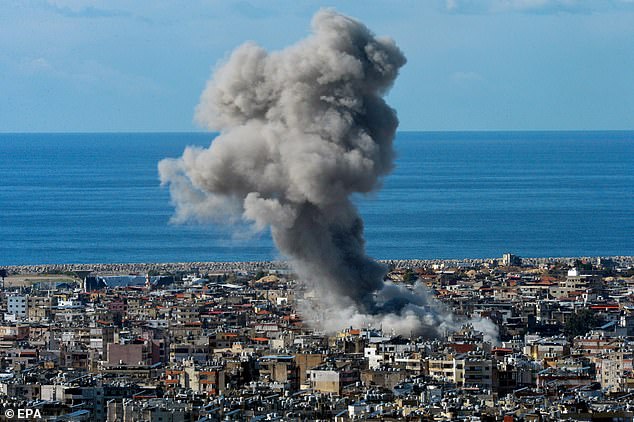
(17,305)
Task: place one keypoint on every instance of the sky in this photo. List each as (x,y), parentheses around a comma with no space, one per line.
(135,66)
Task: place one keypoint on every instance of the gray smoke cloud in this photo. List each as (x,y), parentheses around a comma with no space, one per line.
(301,130)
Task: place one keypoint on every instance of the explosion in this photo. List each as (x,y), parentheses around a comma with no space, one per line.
(301,130)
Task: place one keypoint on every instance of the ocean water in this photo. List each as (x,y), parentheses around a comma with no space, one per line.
(88,198)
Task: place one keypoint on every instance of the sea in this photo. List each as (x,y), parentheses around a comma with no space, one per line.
(96,198)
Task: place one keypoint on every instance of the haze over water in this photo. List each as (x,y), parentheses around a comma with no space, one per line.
(85,198)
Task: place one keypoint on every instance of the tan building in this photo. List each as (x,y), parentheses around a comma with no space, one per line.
(307,361)
(613,370)
(280,368)
(465,370)
(545,349)
(387,378)
(39,308)
(329,378)
(209,380)
(14,332)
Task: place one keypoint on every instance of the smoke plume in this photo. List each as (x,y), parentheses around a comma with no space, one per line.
(301,130)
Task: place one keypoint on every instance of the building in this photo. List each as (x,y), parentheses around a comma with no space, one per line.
(332,378)
(510,260)
(280,369)
(17,305)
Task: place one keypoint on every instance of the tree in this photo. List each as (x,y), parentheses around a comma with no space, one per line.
(580,323)
(409,276)
(584,266)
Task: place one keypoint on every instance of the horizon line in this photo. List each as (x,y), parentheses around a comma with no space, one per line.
(124,132)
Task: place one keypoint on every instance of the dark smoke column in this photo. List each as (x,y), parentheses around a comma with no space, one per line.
(300,130)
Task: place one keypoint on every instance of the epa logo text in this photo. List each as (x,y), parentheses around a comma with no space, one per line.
(23,414)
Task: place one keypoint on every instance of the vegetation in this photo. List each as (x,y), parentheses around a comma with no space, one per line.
(409,276)
(581,323)
(583,266)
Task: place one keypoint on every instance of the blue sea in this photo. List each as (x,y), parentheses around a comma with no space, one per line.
(92,198)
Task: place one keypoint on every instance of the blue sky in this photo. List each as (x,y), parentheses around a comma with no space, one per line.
(114,65)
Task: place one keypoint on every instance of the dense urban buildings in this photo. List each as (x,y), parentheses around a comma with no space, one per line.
(221,341)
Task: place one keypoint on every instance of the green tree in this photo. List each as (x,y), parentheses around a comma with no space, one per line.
(584,266)
(580,323)
(409,276)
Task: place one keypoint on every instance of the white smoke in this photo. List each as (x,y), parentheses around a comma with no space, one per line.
(301,130)
(404,310)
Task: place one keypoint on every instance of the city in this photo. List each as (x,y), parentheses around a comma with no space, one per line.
(223,341)
(193,196)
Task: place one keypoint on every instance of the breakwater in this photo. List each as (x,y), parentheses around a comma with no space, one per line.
(252,266)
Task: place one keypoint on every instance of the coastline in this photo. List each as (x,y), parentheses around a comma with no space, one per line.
(252,266)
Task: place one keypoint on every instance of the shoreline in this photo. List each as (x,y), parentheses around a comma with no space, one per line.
(233,266)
